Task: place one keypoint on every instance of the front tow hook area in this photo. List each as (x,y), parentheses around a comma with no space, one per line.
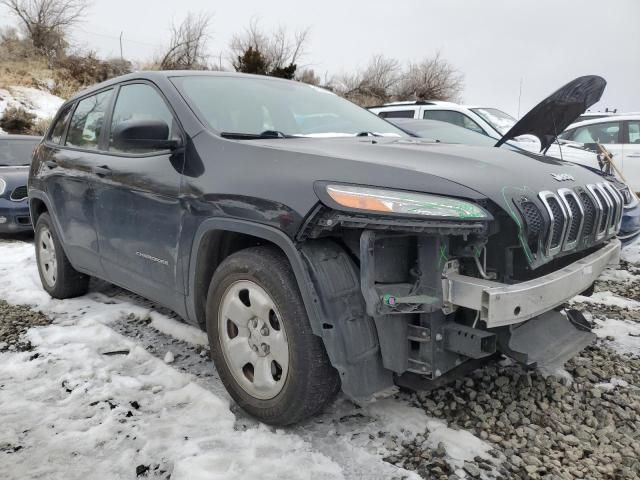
(547,341)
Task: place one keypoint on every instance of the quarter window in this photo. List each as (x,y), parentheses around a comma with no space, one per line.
(87,121)
(605,133)
(58,129)
(633,131)
(450,116)
(137,102)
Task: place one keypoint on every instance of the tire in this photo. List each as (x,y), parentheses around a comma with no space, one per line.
(58,277)
(307,382)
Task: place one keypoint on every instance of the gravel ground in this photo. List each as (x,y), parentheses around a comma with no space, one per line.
(582,423)
(14,321)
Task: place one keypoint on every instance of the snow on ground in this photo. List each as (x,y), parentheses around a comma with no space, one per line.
(608,298)
(102,415)
(631,253)
(342,443)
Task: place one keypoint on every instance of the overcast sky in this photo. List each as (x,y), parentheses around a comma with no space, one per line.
(495,43)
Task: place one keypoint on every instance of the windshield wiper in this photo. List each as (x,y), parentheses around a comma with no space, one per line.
(254,136)
(368,134)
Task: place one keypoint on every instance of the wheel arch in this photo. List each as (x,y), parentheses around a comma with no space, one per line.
(329,284)
(217,238)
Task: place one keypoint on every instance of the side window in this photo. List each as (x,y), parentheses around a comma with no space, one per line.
(605,133)
(633,131)
(58,129)
(87,121)
(450,116)
(397,114)
(135,102)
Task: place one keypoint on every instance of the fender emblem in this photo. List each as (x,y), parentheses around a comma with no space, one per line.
(562,177)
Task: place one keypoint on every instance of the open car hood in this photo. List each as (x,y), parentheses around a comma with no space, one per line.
(559,110)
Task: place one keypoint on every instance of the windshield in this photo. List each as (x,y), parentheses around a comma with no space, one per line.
(498,119)
(14,153)
(444,132)
(252,106)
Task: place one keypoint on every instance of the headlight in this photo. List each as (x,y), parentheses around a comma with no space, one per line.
(3,186)
(404,203)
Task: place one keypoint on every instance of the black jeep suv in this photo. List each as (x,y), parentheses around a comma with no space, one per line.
(320,247)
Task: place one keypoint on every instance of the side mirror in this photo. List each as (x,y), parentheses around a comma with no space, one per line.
(143,134)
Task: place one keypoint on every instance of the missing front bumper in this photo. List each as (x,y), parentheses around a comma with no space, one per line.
(500,304)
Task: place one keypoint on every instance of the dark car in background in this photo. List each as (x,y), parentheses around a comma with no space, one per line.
(15,159)
(444,132)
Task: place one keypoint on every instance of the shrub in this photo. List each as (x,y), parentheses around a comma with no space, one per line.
(40,126)
(17,121)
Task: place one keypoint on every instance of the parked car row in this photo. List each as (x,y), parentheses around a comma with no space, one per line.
(620,134)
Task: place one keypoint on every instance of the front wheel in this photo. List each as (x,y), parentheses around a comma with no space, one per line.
(261,341)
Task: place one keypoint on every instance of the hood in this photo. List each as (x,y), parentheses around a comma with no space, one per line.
(559,110)
(496,174)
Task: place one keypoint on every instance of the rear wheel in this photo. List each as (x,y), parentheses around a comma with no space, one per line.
(261,340)
(57,275)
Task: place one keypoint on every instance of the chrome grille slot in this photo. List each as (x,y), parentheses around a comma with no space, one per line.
(601,207)
(558,222)
(590,213)
(618,203)
(575,220)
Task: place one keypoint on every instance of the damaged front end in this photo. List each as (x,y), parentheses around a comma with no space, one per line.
(438,298)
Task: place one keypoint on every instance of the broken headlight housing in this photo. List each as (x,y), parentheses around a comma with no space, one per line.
(390,202)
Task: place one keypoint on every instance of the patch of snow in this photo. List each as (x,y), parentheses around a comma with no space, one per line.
(99,416)
(41,103)
(622,276)
(631,253)
(626,335)
(461,445)
(178,330)
(169,358)
(612,384)
(608,298)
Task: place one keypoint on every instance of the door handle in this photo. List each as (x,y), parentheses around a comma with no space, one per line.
(633,155)
(51,164)
(102,171)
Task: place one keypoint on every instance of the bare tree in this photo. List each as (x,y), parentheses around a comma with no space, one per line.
(308,75)
(47,22)
(431,79)
(188,46)
(279,50)
(374,84)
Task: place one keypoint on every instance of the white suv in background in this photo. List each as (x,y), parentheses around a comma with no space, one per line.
(490,121)
(620,134)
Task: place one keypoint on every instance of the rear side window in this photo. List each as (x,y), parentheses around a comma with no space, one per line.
(456,118)
(397,114)
(140,101)
(88,120)
(633,131)
(605,133)
(58,129)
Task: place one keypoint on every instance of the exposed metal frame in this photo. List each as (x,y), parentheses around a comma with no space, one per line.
(501,304)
